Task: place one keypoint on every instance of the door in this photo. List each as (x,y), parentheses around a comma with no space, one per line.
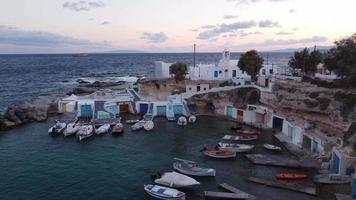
(278,123)
(86,111)
(336,163)
(124,107)
(143,108)
(233,73)
(229,111)
(216,74)
(178,109)
(161,110)
(198,88)
(266,82)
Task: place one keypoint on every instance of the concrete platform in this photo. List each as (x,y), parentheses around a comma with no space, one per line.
(223,195)
(278,161)
(331,179)
(237,191)
(343,197)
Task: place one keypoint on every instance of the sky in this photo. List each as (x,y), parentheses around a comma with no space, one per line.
(72,26)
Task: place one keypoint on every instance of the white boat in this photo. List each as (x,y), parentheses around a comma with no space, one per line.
(176,180)
(138,126)
(191,168)
(272,147)
(118,129)
(239,148)
(132,121)
(149,125)
(192,119)
(182,121)
(102,129)
(164,193)
(85,131)
(57,128)
(71,129)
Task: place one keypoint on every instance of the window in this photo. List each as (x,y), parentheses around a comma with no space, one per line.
(190,89)
(226,70)
(220,72)
(233,73)
(263,72)
(271,71)
(204,89)
(198,88)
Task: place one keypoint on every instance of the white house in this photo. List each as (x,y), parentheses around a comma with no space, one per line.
(194,88)
(162,69)
(294,130)
(324,74)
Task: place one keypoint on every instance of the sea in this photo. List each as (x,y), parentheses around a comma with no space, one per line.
(36,166)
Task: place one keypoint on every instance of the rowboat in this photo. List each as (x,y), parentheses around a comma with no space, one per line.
(236,127)
(245,132)
(191,168)
(132,121)
(192,119)
(238,148)
(71,129)
(240,137)
(182,121)
(149,125)
(164,193)
(102,129)
(176,180)
(85,131)
(57,128)
(290,176)
(118,129)
(272,147)
(219,153)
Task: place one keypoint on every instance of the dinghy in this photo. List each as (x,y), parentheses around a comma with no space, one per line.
(219,153)
(245,132)
(290,176)
(85,131)
(57,128)
(71,129)
(138,126)
(148,125)
(176,180)
(192,119)
(118,129)
(182,121)
(272,147)
(132,121)
(241,137)
(102,129)
(191,168)
(238,148)
(164,193)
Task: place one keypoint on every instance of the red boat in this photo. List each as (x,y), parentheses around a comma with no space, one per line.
(245,132)
(247,137)
(219,153)
(290,176)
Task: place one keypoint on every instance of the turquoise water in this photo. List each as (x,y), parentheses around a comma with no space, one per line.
(36,166)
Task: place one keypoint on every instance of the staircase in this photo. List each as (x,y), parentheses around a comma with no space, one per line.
(149,115)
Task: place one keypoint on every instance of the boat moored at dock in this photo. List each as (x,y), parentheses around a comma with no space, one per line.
(118,129)
(272,147)
(238,148)
(72,128)
(182,121)
(58,128)
(290,176)
(85,131)
(175,180)
(164,193)
(149,125)
(102,129)
(219,153)
(191,168)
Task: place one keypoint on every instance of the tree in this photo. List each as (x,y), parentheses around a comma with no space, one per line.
(179,69)
(306,61)
(342,59)
(251,63)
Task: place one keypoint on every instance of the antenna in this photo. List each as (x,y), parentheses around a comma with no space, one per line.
(194,55)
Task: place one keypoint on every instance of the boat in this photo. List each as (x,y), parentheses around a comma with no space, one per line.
(57,128)
(191,168)
(235,127)
(148,125)
(290,176)
(182,121)
(175,180)
(117,129)
(72,128)
(165,193)
(238,148)
(245,132)
(138,126)
(132,121)
(85,131)
(192,119)
(102,129)
(219,153)
(240,137)
(272,147)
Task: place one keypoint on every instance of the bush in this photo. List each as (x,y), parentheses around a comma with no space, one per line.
(311,103)
(323,103)
(314,95)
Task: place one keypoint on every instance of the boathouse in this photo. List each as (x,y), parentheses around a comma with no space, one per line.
(293,129)
(343,161)
(68,104)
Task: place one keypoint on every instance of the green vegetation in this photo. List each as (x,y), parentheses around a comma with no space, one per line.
(310,103)
(323,83)
(179,69)
(323,102)
(348,102)
(314,95)
(251,62)
(306,61)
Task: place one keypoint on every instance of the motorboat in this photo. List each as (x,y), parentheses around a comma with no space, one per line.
(117,129)
(192,119)
(165,193)
(248,137)
(57,128)
(72,128)
(102,129)
(246,132)
(138,126)
(149,125)
(175,180)
(272,147)
(191,168)
(182,121)
(290,176)
(238,148)
(85,131)
(132,121)
(219,153)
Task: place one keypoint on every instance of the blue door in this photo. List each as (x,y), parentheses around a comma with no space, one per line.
(143,107)
(86,111)
(178,109)
(161,110)
(336,163)
(216,74)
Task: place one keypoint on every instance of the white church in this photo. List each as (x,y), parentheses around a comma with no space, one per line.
(225,69)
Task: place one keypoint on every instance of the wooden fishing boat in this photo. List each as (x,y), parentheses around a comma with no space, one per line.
(164,193)
(191,168)
(238,148)
(246,132)
(272,147)
(236,127)
(117,129)
(219,153)
(290,176)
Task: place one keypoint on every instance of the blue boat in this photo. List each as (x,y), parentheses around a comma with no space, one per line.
(165,193)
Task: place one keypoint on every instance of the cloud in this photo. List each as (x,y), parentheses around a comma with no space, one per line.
(154,37)
(105,23)
(284,33)
(194,30)
(217,30)
(292,11)
(314,39)
(208,26)
(268,24)
(83,5)
(231,16)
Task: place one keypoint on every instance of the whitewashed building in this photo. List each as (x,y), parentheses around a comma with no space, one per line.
(324,74)
(194,88)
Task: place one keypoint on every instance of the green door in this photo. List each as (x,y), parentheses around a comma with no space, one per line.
(229,111)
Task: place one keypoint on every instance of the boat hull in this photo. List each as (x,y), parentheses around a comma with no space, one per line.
(193,171)
(179,196)
(219,154)
(290,176)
